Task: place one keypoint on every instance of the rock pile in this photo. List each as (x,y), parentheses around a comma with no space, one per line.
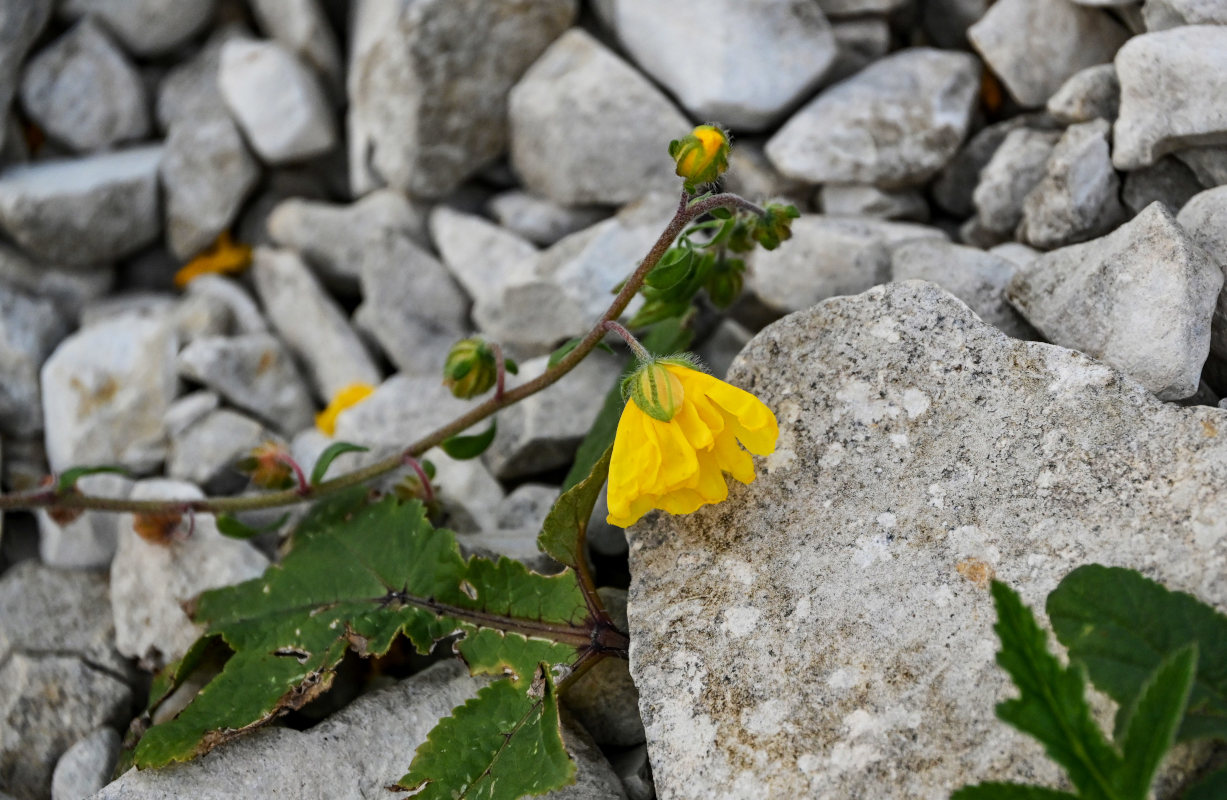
(410,172)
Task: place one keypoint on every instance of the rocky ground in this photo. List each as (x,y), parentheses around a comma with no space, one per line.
(411,171)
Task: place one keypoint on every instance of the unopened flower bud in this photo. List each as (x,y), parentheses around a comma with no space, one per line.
(268,466)
(656,391)
(159,527)
(775,226)
(725,282)
(701,155)
(470,368)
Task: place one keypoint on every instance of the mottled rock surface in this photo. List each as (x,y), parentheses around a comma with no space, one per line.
(820,633)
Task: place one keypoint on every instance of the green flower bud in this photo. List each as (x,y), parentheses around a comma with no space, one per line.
(775,226)
(656,391)
(725,282)
(470,368)
(268,466)
(702,155)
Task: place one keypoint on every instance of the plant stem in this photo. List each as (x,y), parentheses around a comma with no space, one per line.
(686,211)
(639,350)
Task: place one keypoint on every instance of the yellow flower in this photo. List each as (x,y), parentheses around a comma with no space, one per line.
(673,454)
(348,397)
(702,155)
(223,257)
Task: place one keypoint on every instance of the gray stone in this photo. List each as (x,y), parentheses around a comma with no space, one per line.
(539,220)
(150,623)
(197,316)
(541,432)
(858,43)
(68,289)
(50,612)
(311,323)
(946,21)
(1091,93)
(88,541)
(1170,82)
(1204,219)
(862,200)
(894,123)
(84,92)
(852,8)
(205,452)
(719,349)
(531,318)
(105,389)
(429,83)
(25,466)
(83,211)
(527,506)
(604,700)
(189,90)
(1209,164)
(207,173)
(146,27)
(410,305)
(188,410)
(21,21)
(244,313)
(336,240)
(1078,197)
(30,328)
(921,452)
(254,372)
(517,544)
(86,766)
(148,305)
(46,705)
(605,539)
(829,256)
(953,187)
(635,770)
(1163,14)
(752,175)
(469,493)
(354,753)
(1016,252)
(1140,299)
(483,257)
(403,409)
(772,54)
(1018,164)
(302,27)
(1169,181)
(1034,46)
(276,100)
(587,128)
(974,276)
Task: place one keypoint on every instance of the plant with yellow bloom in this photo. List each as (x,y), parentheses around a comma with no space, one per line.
(678,435)
(345,398)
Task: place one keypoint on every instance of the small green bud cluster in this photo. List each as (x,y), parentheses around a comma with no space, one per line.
(471,368)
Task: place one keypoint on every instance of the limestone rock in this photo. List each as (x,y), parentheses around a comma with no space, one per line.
(150,623)
(1034,46)
(89,541)
(189,90)
(21,21)
(68,289)
(954,185)
(539,220)
(207,173)
(1140,299)
(204,452)
(919,447)
(254,372)
(86,766)
(853,8)
(977,278)
(857,200)
(1091,93)
(483,257)
(895,123)
(105,389)
(276,100)
(1078,197)
(1009,176)
(402,409)
(30,328)
(83,91)
(1170,82)
(859,41)
(587,128)
(146,27)
(1209,164)
(1204,218)
(428,86)
(311,324)
(605,700)
(1169,181)
(83,211)
(303,28)
(772,53)
(829,256)
(1163,14)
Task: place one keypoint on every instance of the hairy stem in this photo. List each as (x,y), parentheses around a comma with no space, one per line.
(686,212)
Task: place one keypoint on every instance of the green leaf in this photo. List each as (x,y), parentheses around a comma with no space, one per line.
(672,269)
(1152,722)
(562,534)
(359,575)
(664,339)
(1009,791)
(1211,787)
(511,366)
(501,745)
(1052,704)
(229,525)
(466,447)
(68,478)
(329,455)
(1122,626)
(561,352)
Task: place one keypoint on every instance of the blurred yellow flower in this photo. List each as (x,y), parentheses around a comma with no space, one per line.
(348,397)
(701,155)
(224,257)
(672,451)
